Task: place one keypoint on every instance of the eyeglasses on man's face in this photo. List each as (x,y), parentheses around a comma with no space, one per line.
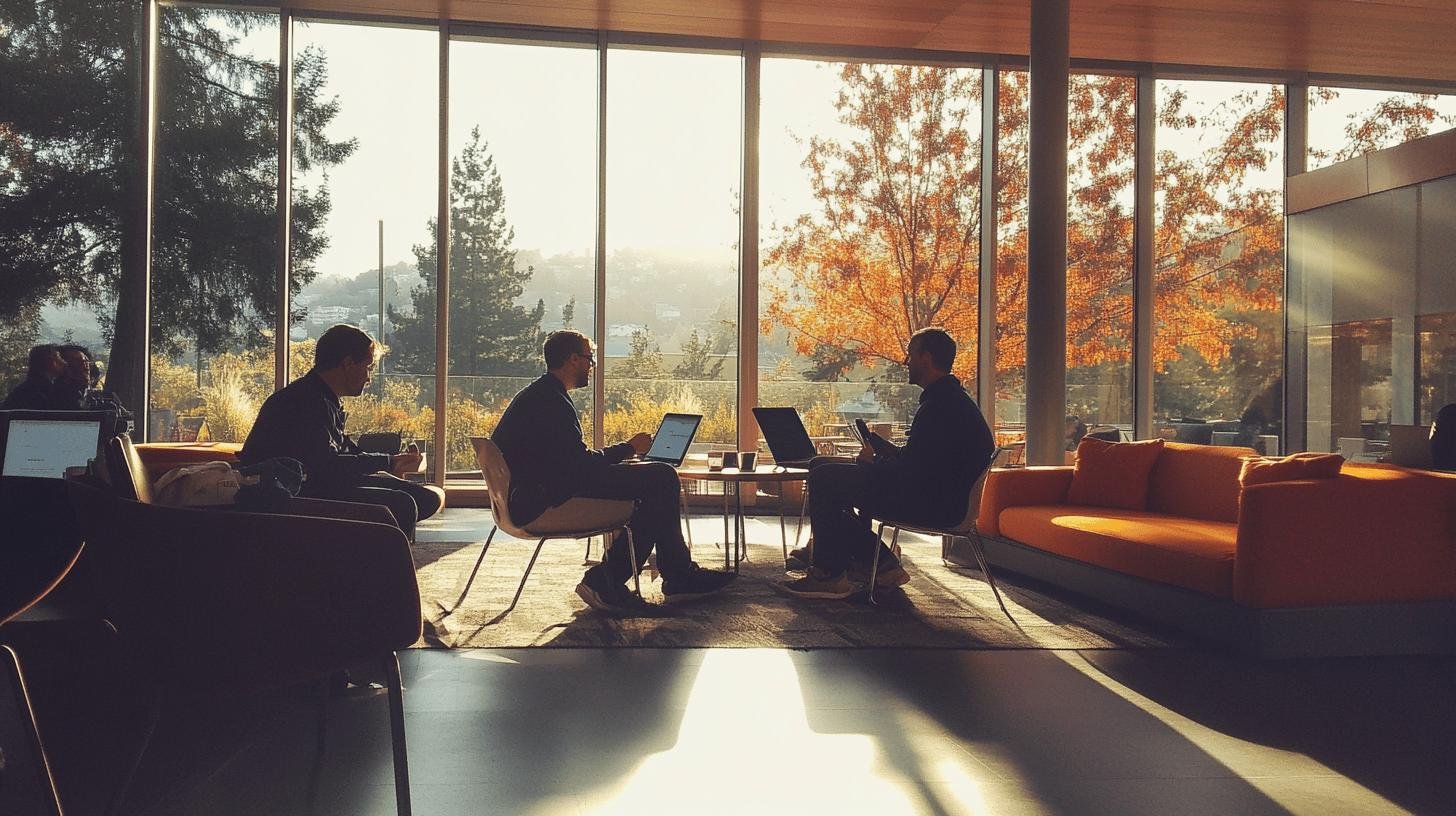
(590,360)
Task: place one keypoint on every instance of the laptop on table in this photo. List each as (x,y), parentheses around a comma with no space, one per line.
(673,437)
(785,435)
(42,444)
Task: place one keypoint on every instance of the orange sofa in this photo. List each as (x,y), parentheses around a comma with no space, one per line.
(1359,564)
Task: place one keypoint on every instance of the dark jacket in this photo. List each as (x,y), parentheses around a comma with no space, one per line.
(540,437)
(305,421)
(35,394)
(929,479)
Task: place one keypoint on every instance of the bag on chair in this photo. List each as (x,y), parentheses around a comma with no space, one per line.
(209,484)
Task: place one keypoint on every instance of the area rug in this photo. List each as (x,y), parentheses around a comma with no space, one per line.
(941,607)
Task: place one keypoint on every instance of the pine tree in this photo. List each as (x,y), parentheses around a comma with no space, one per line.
(490,333)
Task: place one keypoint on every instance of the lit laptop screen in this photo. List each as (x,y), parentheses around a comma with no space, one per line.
(44,448)
(673,438)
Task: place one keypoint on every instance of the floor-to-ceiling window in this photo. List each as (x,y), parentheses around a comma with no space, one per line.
(367,209)
(523,188)
(674,145)
(214,289)
(870,230)
(1219,263)
(1349,122)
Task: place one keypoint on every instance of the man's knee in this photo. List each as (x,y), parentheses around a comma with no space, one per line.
(660,476)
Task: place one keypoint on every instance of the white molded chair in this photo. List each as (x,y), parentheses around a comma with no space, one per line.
(576,518)
(966,528)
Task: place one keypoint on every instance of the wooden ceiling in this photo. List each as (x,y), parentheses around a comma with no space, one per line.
(1394,39)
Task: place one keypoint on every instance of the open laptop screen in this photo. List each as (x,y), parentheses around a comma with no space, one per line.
(44,448)
(674,436)
(784,432)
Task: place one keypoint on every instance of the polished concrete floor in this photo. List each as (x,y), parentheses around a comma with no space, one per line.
(725,731)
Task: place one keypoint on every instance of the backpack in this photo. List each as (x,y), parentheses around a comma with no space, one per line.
(208,484)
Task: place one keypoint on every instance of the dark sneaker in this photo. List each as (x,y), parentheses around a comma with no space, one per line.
(695,583)
(799,559)
(819,584)
(891,575)
(602,593)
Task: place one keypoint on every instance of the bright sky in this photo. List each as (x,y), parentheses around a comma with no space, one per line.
(674,121)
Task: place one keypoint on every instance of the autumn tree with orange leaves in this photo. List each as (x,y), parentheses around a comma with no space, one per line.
(892,245)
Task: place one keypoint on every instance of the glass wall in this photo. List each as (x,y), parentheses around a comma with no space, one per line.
(1373,298)
(375,196)
(1349,122)
(674,147)
(870,227)
(1012,179)
(523,123)
(1219,263)
(214,246)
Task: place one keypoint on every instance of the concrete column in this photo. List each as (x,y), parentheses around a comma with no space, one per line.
(1145,169)
(1046,290)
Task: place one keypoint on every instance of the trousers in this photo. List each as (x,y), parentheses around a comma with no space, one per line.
(657,523)
(839,495)
(408,502)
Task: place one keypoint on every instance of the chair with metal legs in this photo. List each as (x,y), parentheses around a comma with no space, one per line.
(966,528)
(573,519)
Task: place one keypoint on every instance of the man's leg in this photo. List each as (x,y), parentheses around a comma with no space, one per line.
(401,504)
(427,501)
(657,522)
(840,534)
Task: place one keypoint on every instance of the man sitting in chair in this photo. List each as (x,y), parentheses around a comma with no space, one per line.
(541,439)
(928,480)
(305,421)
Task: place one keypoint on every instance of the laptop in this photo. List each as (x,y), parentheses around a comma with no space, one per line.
(673,437)
(1410,446)
(784,432)
(42,444)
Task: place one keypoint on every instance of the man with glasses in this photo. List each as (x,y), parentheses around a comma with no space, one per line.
(540,437)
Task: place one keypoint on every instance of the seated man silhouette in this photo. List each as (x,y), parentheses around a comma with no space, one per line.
(928,480)
(541,439)
(305,421)
(37,391)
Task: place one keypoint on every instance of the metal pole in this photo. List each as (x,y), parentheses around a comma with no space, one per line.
(442,261)
(381,293)
(281,323)
(1144,246)
(986,303)
(599,308)
(748,255)
(1046,286)
(137,365)
(1296,158)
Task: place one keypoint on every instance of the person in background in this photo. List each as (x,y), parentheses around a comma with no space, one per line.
(36,393)
(1443,439)
(305,421)
(928,480)
(540,437)
(75,379)
(1076,429)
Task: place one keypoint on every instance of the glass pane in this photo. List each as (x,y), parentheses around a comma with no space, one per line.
(850,153)
(214,280)
(1219,264)
(523,141)
(367,198)
(1102,128)
(1011,224)
(674,125)
(1349,122)
(64,146)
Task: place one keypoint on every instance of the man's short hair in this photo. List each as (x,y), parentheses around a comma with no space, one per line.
(560,345)
(69,347)
(339,342)
(936,342)
(39,355)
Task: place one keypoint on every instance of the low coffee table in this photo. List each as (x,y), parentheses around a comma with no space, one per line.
(737,477)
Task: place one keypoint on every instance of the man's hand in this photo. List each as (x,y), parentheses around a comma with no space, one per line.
(866,453)
(406,463)
(641,443)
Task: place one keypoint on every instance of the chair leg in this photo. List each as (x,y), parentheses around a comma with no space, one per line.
(686,516)
(875,561)
(586,559)
(980,554)
(803,507)
(396,735)
(632,554)
(521,587)
(783,532)
(471,580)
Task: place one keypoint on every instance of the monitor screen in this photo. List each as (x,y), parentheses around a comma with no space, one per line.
(44,448)
(673,438)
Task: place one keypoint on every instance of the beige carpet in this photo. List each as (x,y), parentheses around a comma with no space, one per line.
(940,608)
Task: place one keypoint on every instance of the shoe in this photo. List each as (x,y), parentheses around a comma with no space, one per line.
(891,575)
(602,593)
(819,584)
(695,583)
(799,559)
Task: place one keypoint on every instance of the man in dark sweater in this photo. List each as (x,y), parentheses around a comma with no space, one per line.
(37,392)
(540,437)
(305,421)
(928,480)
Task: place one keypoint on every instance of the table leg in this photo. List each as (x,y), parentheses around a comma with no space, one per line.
(740,543)
(686,513)
(726,541)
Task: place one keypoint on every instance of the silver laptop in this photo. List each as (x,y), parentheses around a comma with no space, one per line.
(42,447)
(673,437)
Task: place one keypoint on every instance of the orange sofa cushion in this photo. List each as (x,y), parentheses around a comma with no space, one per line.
(1191,553)
(1197,481)
(160,457)
(1113,474)
(1265,469)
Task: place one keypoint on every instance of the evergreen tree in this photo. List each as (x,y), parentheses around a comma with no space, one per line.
(644,358)
(698,362)
(69,174)
(490,333)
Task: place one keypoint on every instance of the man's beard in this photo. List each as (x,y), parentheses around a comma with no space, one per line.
(582,380)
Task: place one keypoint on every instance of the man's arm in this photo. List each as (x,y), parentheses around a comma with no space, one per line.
(305,437)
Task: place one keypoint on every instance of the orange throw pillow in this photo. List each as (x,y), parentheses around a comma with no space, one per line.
(1113,474)
(1265,469)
